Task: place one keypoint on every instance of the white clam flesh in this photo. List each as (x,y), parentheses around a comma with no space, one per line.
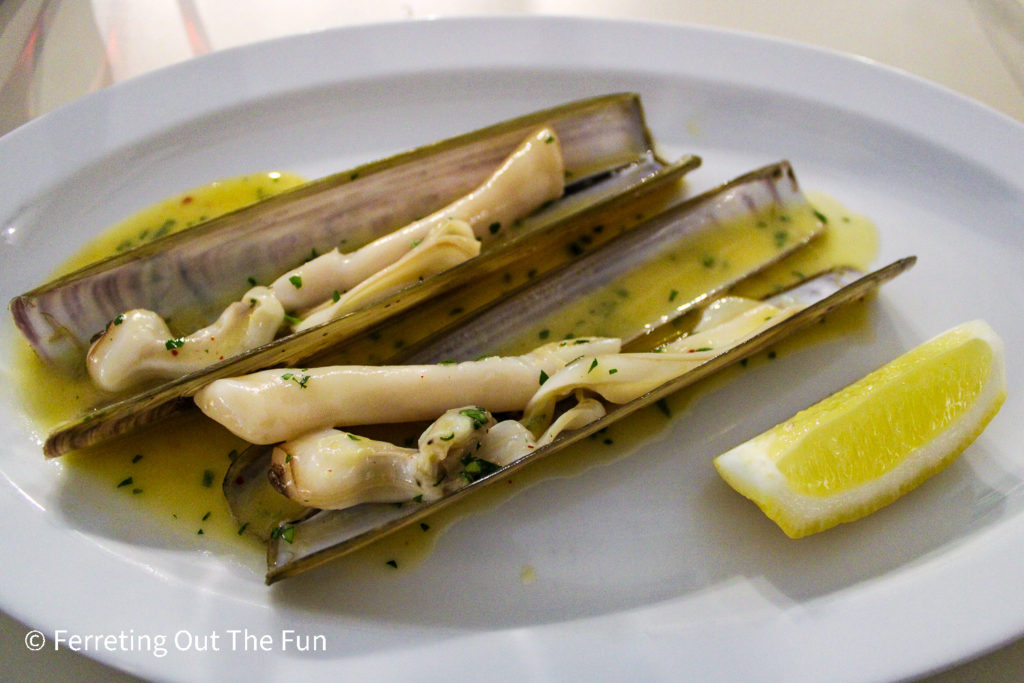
(334,284)
(324,467)
(335,469)
(531,176)
(277,405)
(138,347)
(445,246)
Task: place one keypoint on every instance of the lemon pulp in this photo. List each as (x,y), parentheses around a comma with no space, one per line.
(890,414)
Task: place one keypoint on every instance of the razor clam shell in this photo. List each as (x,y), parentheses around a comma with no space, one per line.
(191,276)
(626,187)
(775,184)
(487,330)
(329,534)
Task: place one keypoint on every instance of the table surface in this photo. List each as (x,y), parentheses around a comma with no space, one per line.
(973,47)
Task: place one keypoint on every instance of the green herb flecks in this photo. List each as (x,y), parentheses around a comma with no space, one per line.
(477,415)
(475,468)
(301,380)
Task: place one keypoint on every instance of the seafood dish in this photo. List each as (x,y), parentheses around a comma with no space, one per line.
(390,338)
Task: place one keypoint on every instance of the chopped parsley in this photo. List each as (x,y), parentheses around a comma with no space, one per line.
(301,381)
(286,533)
(296,281)
(477,415)
(475,468)
(172,344)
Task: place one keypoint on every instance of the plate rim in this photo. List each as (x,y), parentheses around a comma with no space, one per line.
(14,142)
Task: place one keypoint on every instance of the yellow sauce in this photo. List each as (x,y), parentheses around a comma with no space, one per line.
(174,471)
(653,293)
(180,212)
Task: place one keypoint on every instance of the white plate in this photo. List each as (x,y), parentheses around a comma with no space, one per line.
(646,567)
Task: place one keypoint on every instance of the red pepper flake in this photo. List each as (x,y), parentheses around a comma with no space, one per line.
(174,352)
(187,199)
(239,480)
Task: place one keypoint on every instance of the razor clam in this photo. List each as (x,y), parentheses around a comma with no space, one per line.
(694,224)
(551,237)
(182,276)
(586,298)
(321,536)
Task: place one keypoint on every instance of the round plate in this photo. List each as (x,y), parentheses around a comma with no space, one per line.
(646,566)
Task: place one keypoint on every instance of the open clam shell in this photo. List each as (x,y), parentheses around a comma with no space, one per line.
(192,276)
(690,228)
(321,536)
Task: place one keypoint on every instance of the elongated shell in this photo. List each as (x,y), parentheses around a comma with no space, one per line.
(614,278)
(326,535)
(191,276)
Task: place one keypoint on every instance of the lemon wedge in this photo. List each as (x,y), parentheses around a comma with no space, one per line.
(865,446)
